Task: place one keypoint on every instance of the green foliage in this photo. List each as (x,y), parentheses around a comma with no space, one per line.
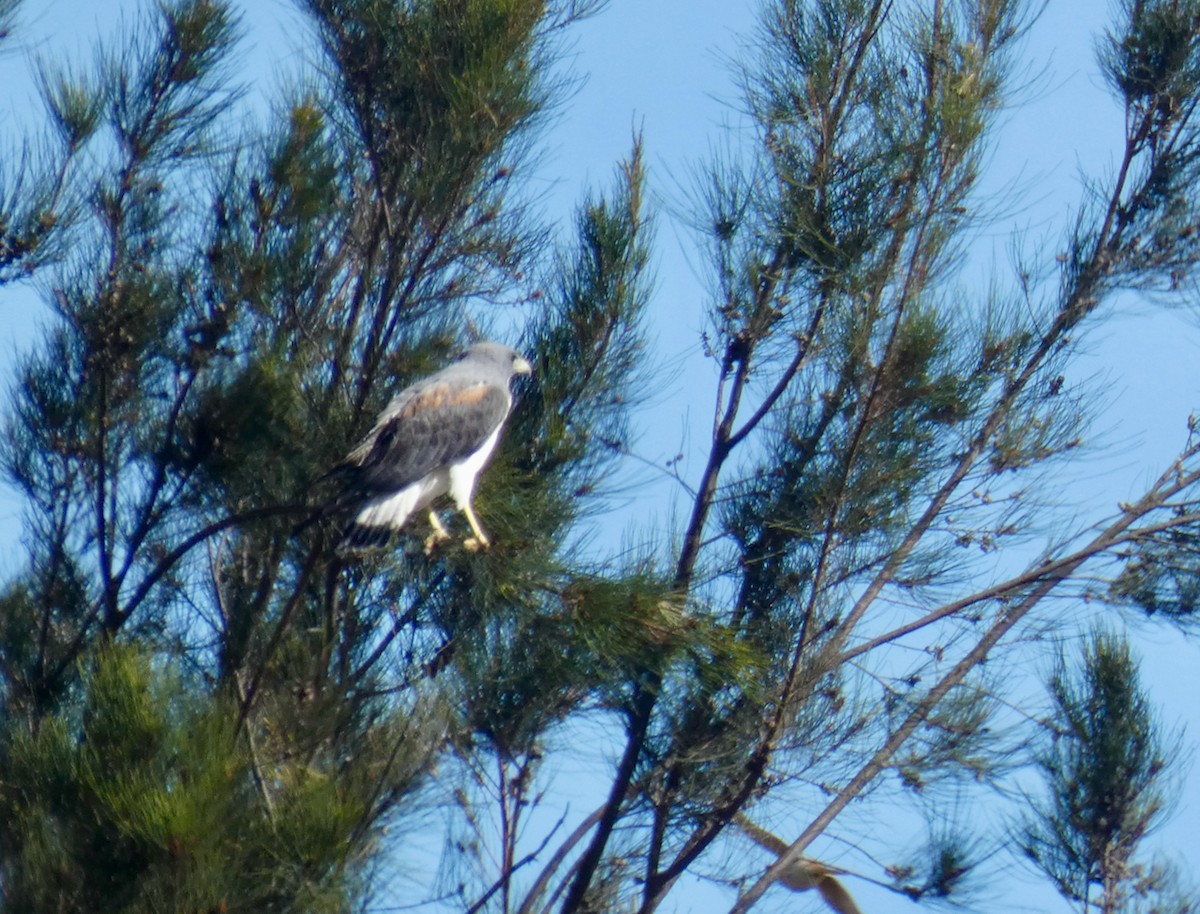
(235,311)
(137,799)
(451,111)
(943,868)
(588,354)
(1161,576)
(955,739)
(1103,764)
(1155,57)
(258,412)
(208,707)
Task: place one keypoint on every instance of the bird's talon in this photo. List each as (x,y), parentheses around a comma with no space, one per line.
(435,539)
(475,543)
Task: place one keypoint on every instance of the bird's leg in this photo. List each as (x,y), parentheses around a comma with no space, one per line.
(479,540)
(439,534)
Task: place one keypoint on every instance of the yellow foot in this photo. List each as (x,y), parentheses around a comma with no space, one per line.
(435,539)
(475,543)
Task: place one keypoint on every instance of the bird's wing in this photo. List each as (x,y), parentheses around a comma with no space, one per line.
(429,426)
(761,836)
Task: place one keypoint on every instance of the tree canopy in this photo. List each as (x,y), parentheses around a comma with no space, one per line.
(208,706)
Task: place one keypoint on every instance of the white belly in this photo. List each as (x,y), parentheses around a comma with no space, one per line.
(463,475)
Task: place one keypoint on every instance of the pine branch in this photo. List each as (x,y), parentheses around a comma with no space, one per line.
(1167,486)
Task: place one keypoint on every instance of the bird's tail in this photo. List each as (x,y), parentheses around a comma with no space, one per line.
(378,518)
(358,536)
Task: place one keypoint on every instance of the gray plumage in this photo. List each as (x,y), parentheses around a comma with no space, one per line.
(432,439)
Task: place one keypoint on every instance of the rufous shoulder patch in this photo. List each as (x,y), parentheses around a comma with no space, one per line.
(443,395)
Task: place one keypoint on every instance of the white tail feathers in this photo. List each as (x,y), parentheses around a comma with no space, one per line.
(382,515)
(389,510)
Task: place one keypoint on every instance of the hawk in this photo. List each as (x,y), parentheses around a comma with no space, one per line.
(432,439)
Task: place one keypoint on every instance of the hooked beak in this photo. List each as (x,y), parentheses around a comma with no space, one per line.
(522,366)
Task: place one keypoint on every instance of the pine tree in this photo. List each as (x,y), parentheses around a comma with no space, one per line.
(208,707)
(1104,765)
(233,311)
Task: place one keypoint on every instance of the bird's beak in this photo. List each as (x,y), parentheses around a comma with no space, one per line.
(522,366)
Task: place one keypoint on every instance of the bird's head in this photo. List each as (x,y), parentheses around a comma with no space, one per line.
(499,354)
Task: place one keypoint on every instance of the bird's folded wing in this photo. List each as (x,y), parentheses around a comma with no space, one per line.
(437,425)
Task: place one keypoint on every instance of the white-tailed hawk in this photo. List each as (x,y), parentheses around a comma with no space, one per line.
(433,438)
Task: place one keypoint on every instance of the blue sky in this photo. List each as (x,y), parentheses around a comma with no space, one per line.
(660,66)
